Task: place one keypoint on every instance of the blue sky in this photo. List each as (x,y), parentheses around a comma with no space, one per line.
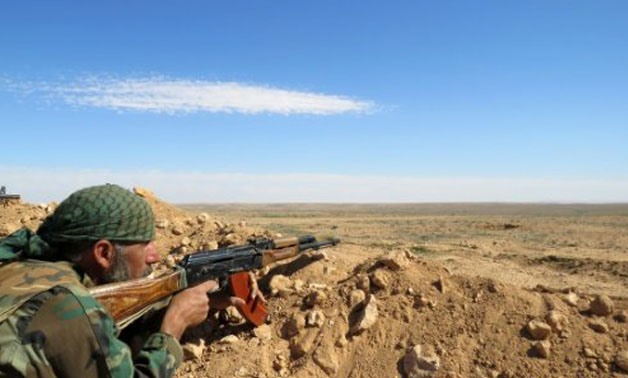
(317,101)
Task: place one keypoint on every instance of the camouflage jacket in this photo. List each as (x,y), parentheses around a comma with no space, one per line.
(50,326)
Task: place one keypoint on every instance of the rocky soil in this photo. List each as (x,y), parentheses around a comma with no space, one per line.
(348,312)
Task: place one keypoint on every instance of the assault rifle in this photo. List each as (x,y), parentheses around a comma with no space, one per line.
(125,301)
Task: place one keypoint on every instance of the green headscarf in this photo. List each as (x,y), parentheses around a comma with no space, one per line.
(99,212)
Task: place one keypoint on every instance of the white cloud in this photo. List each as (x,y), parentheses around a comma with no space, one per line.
(43,185)
(171,96)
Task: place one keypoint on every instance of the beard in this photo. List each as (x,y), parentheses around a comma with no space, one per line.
(119,270)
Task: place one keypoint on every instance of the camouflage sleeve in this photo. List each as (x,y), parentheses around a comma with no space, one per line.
(81,341)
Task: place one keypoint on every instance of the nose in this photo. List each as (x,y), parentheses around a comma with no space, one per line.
(152,256)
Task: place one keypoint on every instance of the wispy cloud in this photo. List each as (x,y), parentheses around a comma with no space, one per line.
(297,187)
(172,96)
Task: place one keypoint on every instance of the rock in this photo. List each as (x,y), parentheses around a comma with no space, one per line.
(210,245)
(572,299)
(327,360)
(186,241)
(229,339)
(395,260)
(162,223)
(263,332)
(303,343)
(202,218)
(328,270)
(621,360)
(539,330)
(279,283)
(280,363)
(367,317)
(294,325)
(601,305)
(176,230)
(364,283)
(379,279)
(542,348)
(622,317)
(242,223)
(589,353)
(556,320)
(314,318)
(356,296)
(598,326)
(298,285)
(194,350)
(419,365)
(317,297)
(170,261)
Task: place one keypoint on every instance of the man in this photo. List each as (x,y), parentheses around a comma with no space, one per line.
(50,325)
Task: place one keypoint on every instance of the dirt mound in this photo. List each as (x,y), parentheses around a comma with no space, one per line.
(356,312)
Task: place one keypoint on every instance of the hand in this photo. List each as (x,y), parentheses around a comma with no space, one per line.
(188,308)
(221,300)
(255,291)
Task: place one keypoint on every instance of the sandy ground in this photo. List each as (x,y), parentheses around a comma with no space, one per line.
(455,290)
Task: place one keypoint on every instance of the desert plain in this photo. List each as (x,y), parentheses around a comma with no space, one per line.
(412,290)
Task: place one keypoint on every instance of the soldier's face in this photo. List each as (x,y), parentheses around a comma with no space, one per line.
(139,258)
(132,261)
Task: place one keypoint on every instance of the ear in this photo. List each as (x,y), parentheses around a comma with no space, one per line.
(103,253)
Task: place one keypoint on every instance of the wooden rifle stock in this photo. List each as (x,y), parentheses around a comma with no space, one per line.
(128,300)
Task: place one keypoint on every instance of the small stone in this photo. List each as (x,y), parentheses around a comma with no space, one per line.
(210,245)
(572,299)
(294,325)
(356,296)
(280,363)
(380,279)
(202,218)
(556,320)
(598,326)
(395,260)
(539,330)
(622,317)
(229,339)
(170,261)
(589,353)
(186,241)
(364,283)
(263,332)
(416,364)
(194,350)
(410,291)
(279,283)
(317,297)
(242,223)
(542,348)
(314,319)
(367,317)
(328,270)
(621,360)
(176,230)
(162,223)
(601,305)
(242,372)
